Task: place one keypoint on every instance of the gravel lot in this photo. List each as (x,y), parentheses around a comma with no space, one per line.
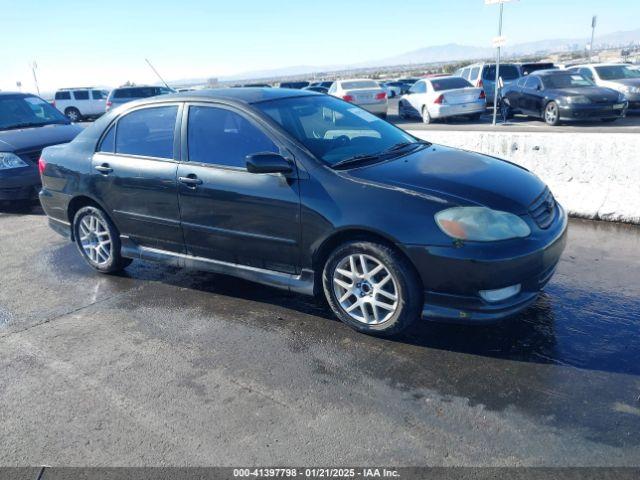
(172,367)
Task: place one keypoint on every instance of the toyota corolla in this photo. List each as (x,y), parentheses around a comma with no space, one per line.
(309,193)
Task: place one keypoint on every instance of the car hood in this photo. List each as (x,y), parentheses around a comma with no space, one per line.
(631,82)
(37,137)
(596,94)
(458,177)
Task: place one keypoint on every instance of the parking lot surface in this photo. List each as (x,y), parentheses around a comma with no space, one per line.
(162,366)
(520,123)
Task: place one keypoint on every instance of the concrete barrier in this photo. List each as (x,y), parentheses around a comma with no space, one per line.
(594,175)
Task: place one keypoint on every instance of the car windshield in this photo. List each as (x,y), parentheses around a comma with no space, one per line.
(566,81)
(27,111)
(449,83)
(336,131)
(616,72)
(359,84)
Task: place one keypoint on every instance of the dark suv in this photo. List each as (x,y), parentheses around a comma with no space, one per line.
(309,193)
(27,125)
(121,95)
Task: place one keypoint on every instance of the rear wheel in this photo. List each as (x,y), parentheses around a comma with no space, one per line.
(73,114)
(372,288)
(401,110)
(552,114)
(98,240)
(426,118)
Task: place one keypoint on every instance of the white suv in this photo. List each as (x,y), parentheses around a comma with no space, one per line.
(80,103)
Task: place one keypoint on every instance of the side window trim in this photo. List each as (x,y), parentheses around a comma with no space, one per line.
(184,151)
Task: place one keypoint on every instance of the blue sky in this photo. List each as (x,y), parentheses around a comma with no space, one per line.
(87,42)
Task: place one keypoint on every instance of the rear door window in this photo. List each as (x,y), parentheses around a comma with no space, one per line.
(148,132)
(81,94)
(474,73)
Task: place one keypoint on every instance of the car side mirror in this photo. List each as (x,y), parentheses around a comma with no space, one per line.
(268,163)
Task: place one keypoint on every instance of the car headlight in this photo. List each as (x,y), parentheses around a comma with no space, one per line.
(10,160)
(481,224)
(621,98)
(578,99)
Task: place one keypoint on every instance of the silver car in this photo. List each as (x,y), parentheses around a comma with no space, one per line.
(618,76)
(433,98)
(363,92)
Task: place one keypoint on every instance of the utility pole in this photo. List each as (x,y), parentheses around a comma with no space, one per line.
(34,66)
(156,72)
(498,42)
(594,20)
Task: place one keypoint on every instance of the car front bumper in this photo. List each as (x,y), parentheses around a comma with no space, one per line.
(19,184)
(453,276)
(584,112)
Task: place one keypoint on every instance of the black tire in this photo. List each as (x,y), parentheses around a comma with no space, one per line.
(383,116)
(405,281)
(505,111)
(116,262)
(73,114)
(401,112)
(555,120)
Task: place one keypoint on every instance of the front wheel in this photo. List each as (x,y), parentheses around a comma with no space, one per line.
(98,240)
(552,114)
(372,288)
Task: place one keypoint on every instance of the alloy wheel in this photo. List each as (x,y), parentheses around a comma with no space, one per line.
(365,289)
(551,113)
(95,239)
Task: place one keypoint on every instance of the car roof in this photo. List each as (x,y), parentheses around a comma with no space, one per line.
(246,95)
(17,94)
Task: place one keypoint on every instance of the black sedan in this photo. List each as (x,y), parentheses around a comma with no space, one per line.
(556,96)
(27,125)
(309,193)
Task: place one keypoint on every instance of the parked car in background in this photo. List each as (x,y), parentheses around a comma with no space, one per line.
(27,125)
(324,83)
(618,76)
(528,68)
(483,75)
(122,95)
(363,92)
(393,89)
(80,103)
(558,95)
(256,85)
(442,97)
(294,85)
(335,203)
(316,88)
(407,83)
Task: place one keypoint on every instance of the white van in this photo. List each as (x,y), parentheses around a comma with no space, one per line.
(80,103)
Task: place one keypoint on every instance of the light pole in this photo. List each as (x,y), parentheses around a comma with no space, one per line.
(34,66)
(498,42)
(594,20)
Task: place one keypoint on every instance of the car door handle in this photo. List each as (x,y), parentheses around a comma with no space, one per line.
(104,168)
(191,181)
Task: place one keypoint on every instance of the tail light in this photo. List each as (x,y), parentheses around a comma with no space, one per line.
(53,103)
(381,96)
(108,105)
(348,98)
(479,83)
(482,95)
(439,100)
(42,163)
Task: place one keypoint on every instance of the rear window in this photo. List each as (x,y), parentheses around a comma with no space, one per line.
(63,95)
(360,84)
(507,72)
(449,83)
(81,94)
(528,68)
(616,72)
(98,94)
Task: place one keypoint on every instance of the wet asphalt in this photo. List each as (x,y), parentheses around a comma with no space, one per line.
(161,366)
